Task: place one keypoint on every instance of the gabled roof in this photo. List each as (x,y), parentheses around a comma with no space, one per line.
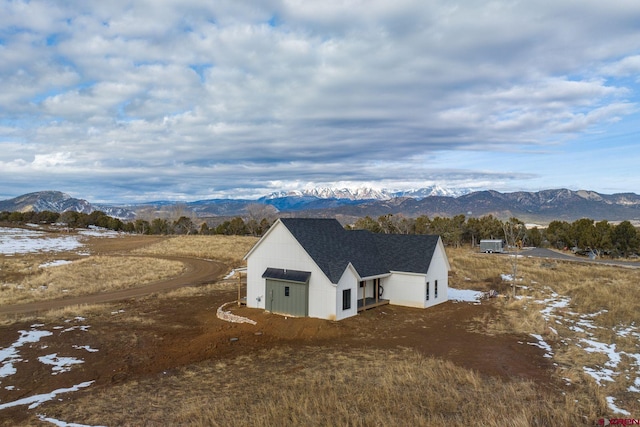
(332,248)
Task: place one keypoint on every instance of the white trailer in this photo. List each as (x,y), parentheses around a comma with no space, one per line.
(490,246)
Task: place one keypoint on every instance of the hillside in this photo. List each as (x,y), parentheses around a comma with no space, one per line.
(542,206)
(57,201)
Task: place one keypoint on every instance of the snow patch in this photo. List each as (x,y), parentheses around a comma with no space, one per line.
(542,344)
(611,401)
(94,231)
(38,399)
(10,355)
(608,349)
(55,263)
(85,347)
(464,295)
(60,364)
(600,375)
(59,423)
(20,241)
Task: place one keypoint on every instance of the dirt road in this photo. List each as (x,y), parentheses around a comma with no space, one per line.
(555,255)
(198,271)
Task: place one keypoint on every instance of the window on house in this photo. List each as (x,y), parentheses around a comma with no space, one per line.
(346,299)
(362,284)
(435,289)
(286,291)
(427,291)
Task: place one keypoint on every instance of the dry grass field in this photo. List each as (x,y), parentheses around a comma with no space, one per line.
(167,360)
(230,249)
(588,313)
(320,386)
(89,275)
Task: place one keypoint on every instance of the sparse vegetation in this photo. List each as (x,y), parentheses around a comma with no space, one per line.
(605,295)
(318,386)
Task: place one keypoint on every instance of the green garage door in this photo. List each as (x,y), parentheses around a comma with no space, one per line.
(287,291)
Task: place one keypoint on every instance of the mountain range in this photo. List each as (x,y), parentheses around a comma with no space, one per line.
(349,204)
(367,193)
(56,201)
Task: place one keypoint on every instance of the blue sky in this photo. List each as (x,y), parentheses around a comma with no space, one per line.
(126,101)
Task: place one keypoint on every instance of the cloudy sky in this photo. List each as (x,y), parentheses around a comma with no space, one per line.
(117,101)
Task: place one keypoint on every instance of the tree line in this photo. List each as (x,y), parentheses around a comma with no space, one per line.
(182,225)
(583,235)
(600,237)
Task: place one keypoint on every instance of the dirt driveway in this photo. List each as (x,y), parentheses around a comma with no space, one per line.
(198,271)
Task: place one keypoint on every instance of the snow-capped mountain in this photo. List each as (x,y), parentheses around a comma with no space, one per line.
(361,193)
(434,190)
(367,193)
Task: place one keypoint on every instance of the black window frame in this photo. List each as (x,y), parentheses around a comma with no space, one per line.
(346,299)
(287,291)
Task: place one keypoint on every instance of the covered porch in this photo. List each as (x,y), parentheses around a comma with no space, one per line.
(369,303)
(370,294)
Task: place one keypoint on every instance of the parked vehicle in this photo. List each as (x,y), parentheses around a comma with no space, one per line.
(490,246)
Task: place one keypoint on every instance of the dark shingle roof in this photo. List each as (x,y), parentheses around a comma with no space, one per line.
(332,248)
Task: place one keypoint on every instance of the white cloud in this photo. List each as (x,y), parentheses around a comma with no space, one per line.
(628,66)
(300,92)
(51,160)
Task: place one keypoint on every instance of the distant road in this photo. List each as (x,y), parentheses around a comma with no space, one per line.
(548,253)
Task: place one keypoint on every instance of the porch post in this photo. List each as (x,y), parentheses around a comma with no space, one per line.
(364,294)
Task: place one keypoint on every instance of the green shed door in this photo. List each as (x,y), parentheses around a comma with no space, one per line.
(284,297)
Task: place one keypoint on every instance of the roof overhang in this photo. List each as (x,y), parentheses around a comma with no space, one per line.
(409,273)
(379,276)
(286,275)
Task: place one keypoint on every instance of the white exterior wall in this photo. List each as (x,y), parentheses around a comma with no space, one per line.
(410,289)
(349,280)
(279,249)
(406,289)
(438,270)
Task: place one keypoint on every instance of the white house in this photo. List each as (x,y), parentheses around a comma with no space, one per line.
(316,268)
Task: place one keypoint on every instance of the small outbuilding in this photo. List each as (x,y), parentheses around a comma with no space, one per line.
(316,268)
